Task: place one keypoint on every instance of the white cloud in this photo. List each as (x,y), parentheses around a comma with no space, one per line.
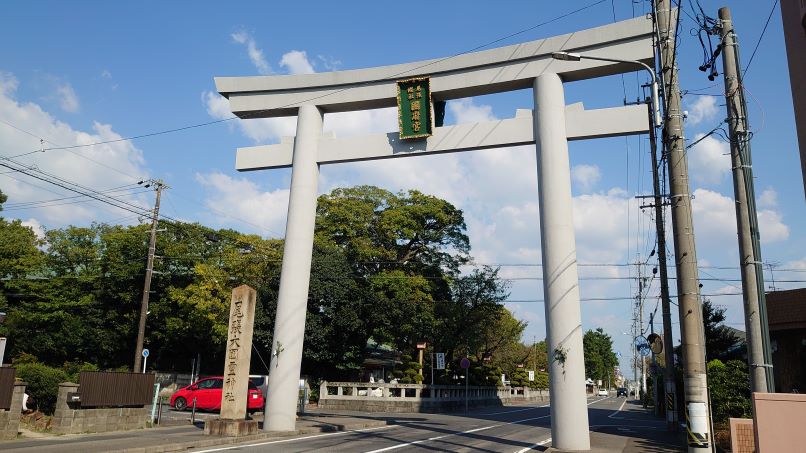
(89,166)
(709,160)
(68,100)
(329,63)
(703,109)
(715,221)
(296,61)
(260,130)
(465,111)
(266,211)
(105,74)
(768,198)
(255,54)
(38,228)
(586,176)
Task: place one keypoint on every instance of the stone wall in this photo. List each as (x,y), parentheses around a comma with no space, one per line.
(412,398)
(10,419)
(70,418)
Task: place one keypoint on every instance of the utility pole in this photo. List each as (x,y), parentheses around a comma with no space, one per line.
(755,316)
(141,330)
(641,330)
(668,346)
(698,413)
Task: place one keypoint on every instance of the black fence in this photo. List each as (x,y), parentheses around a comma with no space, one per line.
(117,389)
(6,386)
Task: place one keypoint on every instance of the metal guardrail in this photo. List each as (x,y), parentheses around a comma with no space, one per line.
(116,389)
(7,375)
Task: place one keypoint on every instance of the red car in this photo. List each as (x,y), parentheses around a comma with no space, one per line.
(207,393)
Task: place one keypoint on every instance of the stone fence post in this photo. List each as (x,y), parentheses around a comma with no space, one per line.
(10,419)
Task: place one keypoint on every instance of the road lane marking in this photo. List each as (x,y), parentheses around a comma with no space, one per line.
(297,438)
(532,447)
(619,410)
(457,433)
(517,410)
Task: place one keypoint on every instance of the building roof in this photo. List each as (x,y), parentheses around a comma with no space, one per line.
(786,309)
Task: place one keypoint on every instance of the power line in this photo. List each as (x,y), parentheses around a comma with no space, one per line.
(331,93)
(744,73)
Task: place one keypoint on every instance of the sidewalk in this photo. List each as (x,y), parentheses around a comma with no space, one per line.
(636,430)
(177,438)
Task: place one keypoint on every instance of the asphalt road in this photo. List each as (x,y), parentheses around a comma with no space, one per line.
(508,429)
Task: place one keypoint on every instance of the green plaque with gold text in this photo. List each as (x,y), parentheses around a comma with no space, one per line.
(414,107)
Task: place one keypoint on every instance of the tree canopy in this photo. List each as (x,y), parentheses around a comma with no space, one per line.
(385,267)
(600,360)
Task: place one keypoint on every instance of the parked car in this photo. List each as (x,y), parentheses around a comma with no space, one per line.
(621,391)
(208,392)
(261,382)
(602,392)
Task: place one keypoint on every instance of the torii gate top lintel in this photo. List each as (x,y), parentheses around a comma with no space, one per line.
(472,74)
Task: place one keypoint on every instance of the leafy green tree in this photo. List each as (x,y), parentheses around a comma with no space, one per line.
(600,360)
(718,338)
(729,388)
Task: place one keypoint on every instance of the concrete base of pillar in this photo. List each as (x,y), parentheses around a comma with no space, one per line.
(230,428)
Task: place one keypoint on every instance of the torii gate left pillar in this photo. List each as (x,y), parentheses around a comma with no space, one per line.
(526,65)
(292,300)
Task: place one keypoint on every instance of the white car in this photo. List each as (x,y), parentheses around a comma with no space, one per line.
(602,392)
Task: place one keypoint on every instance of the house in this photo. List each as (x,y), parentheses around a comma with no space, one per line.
(786,315)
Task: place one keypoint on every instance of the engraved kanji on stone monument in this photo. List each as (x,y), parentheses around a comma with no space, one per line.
(238,353)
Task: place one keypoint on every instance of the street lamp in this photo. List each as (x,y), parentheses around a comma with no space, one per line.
(568,56)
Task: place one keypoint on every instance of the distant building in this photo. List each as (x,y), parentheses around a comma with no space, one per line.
(786,313)
(793,13)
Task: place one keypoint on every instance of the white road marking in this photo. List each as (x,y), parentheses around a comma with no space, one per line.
(532,447)
(458,433)
(297,438)
(619,410)
(517,410)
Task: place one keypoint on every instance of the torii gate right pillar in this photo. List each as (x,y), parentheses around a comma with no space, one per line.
(569,412)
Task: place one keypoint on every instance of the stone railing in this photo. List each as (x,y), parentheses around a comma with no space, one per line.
(386,397)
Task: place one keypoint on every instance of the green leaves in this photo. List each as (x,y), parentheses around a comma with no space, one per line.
(600,360)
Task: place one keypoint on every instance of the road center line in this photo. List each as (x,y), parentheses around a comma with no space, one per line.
(458,433)
(297,438)
(619,409)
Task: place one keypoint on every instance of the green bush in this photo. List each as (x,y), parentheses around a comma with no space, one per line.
(729,385)
(73,369)
(43,383)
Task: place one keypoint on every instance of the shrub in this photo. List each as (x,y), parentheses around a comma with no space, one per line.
(43,384)
(729,385)
(73,369)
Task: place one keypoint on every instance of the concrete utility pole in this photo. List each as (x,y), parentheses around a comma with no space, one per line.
(755,318)
(668,346)
(698,413)
(141,330)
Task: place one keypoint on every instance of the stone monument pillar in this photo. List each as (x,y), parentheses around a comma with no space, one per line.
(235,393)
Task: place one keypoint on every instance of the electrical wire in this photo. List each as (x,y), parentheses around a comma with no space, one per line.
(331,93)
(764,30)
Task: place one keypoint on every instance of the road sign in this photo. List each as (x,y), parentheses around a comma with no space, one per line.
(145,353)
(531,375)
(440,361)
(465,363)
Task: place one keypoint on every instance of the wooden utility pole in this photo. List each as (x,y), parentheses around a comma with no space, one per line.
(755,318)
(670,389)
(698,413)
(141,330)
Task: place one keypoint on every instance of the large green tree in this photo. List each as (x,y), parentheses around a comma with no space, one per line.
(600,360)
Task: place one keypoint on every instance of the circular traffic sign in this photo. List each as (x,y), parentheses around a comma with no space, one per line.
(145,352)
(464,363)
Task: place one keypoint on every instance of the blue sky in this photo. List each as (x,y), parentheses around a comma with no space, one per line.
(81,72)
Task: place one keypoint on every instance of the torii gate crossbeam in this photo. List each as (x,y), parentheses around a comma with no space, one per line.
(526,65)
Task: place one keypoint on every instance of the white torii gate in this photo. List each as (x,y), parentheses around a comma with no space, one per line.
(526,65)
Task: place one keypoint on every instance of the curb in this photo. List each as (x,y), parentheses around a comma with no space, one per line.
(208,441)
